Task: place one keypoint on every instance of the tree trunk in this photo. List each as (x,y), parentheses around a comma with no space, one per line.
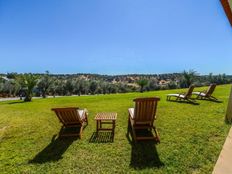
(27,98)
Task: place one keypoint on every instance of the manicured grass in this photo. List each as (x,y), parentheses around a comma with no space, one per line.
(191,137)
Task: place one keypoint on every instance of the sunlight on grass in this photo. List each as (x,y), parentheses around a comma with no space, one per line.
(191,137)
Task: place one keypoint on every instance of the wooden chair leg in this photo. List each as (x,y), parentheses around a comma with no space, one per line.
(133,134)
(214,98)
(128,125)
(61,131)
(156,134)
(81,131)
(114,127)
(86,117)
(97,127)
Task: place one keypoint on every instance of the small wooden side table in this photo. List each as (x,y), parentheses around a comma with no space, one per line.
(106,118)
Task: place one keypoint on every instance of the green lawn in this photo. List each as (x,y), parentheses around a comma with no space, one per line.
(191,137)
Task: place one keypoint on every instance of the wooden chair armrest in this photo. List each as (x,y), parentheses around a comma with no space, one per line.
(131,114)
(202,92)
(155,117)
(182,93)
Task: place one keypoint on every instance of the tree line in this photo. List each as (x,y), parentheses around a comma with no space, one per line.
(28,85)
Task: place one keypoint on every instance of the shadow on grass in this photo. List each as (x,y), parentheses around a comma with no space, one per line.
(16,102)
(54,150)
(102,137)
(228,122)
(211,100)
(185,102)
(144,154)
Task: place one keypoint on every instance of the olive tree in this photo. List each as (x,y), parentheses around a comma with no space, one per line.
(28,82)
(142,83)
(44,83)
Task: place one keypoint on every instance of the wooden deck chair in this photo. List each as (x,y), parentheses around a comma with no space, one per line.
(142,117)
(207,94)
(183,96)
(72,117)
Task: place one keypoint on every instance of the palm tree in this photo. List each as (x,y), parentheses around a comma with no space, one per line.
(28,82)
(189,77)
(142,83)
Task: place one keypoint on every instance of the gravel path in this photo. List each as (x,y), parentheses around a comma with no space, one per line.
(17,98)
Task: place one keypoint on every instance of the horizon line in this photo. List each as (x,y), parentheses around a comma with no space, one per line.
(83,73)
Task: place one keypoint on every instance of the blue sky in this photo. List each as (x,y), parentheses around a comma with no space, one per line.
(114,36)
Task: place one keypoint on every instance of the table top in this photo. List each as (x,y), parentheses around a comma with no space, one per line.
(106,116)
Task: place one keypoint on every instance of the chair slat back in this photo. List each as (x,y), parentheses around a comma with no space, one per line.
(210,90)
(188,94)
(145,110)
(68,115)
